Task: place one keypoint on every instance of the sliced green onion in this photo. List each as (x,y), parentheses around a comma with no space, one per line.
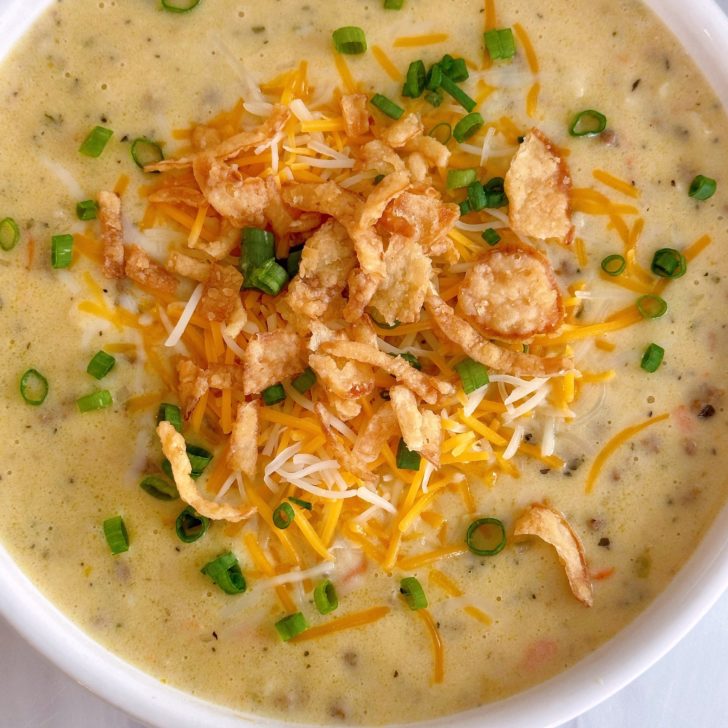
(442,132)
(669,263)
(199,459)
(652,358)
(702,188)
(467,126)
(382,325)
(226,573)
(651,306)
(180,6)
(95,401)
(283,516)
(451,88)
(304,381)
(87,210)
(495,195)
(190,525)
(500,44)
(413,593)
(393,4)
(258,246)
(491,236)
(293,262)
(411,359)
(301,503)
(458,178)
(614,265)
(350,40)
(464,205)
(377,179)
(588,123)
(434,98)
(116,535)
(170,413)
(325,598)
(488,550)
(269,278)
(33,387)
(290,626)
(386,106)
(406,459)
(9,233)
(100,365)
(273,394)
(145,151)
(473,375)
(476,196)
(434,77)
(414,84)
(454,68)
(61,251)
(159,488)
(96,141)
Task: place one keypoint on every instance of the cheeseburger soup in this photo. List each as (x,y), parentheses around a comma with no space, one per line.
(364,364)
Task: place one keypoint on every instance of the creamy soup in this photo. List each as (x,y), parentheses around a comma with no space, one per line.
(622,450)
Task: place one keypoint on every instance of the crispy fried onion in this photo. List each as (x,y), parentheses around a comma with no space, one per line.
(399,297)
(511,293)
(424,386)
(354,109)
(221,299)
(435,153)
(378,157)
(227,239)
(175,450)
(270,358)
(460,332)
(537,185)
(389,189)
(195,381)
(188,267)
(379,429)
(326,261)
(550,525)
(422,431)
(112,234)
(345,457)
(243,453)
(423,218)
(147,272)
(178,195)
(402,131)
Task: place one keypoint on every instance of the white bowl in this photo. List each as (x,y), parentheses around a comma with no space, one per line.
(703,30)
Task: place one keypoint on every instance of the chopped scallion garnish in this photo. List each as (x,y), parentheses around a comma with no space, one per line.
(467,126)
(451,88)
(301,503)
(442,132)
(293,262)
(226,573)
(199,459)
(406,459)
(491,236)
(325,597)
(145,151)
(652,358)
(702,188)
(270,277)
(159,488)
(434,98)
(257,247)
(454,68)
(413,593)
(411,359)
(651,306)
(414,84)
(476,196)
(588,123)
(500,44)
(61,251)
(387,106)
(96,141)
(459,178)
(87,210)
(170,413)
(290,626)
(33,387)
(100,365)
(283,516)
(495,194)
(95,401)
(9,233)
(473,375)
(304,381)
(190,525)
(116,535)
(464,206)
(393,4)
(179,6)
(273,394)
(669,263)
(614,265)
(488,543)
(350,40)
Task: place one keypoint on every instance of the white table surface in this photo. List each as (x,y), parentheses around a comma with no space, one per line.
(686,689)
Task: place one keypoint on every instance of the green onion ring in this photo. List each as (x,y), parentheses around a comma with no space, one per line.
(472,529)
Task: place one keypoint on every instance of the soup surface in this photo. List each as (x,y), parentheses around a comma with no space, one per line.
(631,458)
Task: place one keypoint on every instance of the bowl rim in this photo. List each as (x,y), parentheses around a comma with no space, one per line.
(702,29)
